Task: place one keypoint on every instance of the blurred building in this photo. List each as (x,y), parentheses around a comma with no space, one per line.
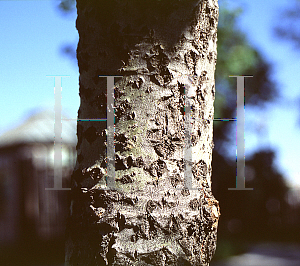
(28,212)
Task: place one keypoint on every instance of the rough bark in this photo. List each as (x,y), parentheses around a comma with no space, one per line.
(166,52)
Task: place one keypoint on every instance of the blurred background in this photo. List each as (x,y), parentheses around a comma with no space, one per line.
(259,38)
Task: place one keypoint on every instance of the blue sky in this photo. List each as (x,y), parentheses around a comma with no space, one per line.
(33,32)
(279,123)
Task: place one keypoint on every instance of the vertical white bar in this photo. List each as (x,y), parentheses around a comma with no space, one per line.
(240,153)
(240,181)
(187,141)
(110,133)
(57,137)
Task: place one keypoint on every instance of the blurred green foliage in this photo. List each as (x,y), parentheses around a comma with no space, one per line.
(263,214)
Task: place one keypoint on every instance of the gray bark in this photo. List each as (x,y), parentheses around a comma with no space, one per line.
(162,211)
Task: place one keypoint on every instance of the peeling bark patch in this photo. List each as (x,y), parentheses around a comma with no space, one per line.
(128,201)
(199,133)
(185,245)
(121,138)
(185,192)
(207,10)
(190,60)
(118,92)
(151,206)
(181,88)
(175,224)
(203,76)
(180,164)
(139,162)
(211,22)
(123,108)
(136,83)
(119,163)
(175,180)
(121,220)
(122,143)
(126,179)
(129,162)
(212,57)
(95,174)
(157,62)
(194,204)
(154,227)
(101,201)
(200,170)
(157,168)
(165,149)
(161,257)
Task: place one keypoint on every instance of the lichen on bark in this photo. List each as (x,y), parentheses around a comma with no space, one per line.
(166,52)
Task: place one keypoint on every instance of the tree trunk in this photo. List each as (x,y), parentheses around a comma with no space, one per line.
(159,209)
